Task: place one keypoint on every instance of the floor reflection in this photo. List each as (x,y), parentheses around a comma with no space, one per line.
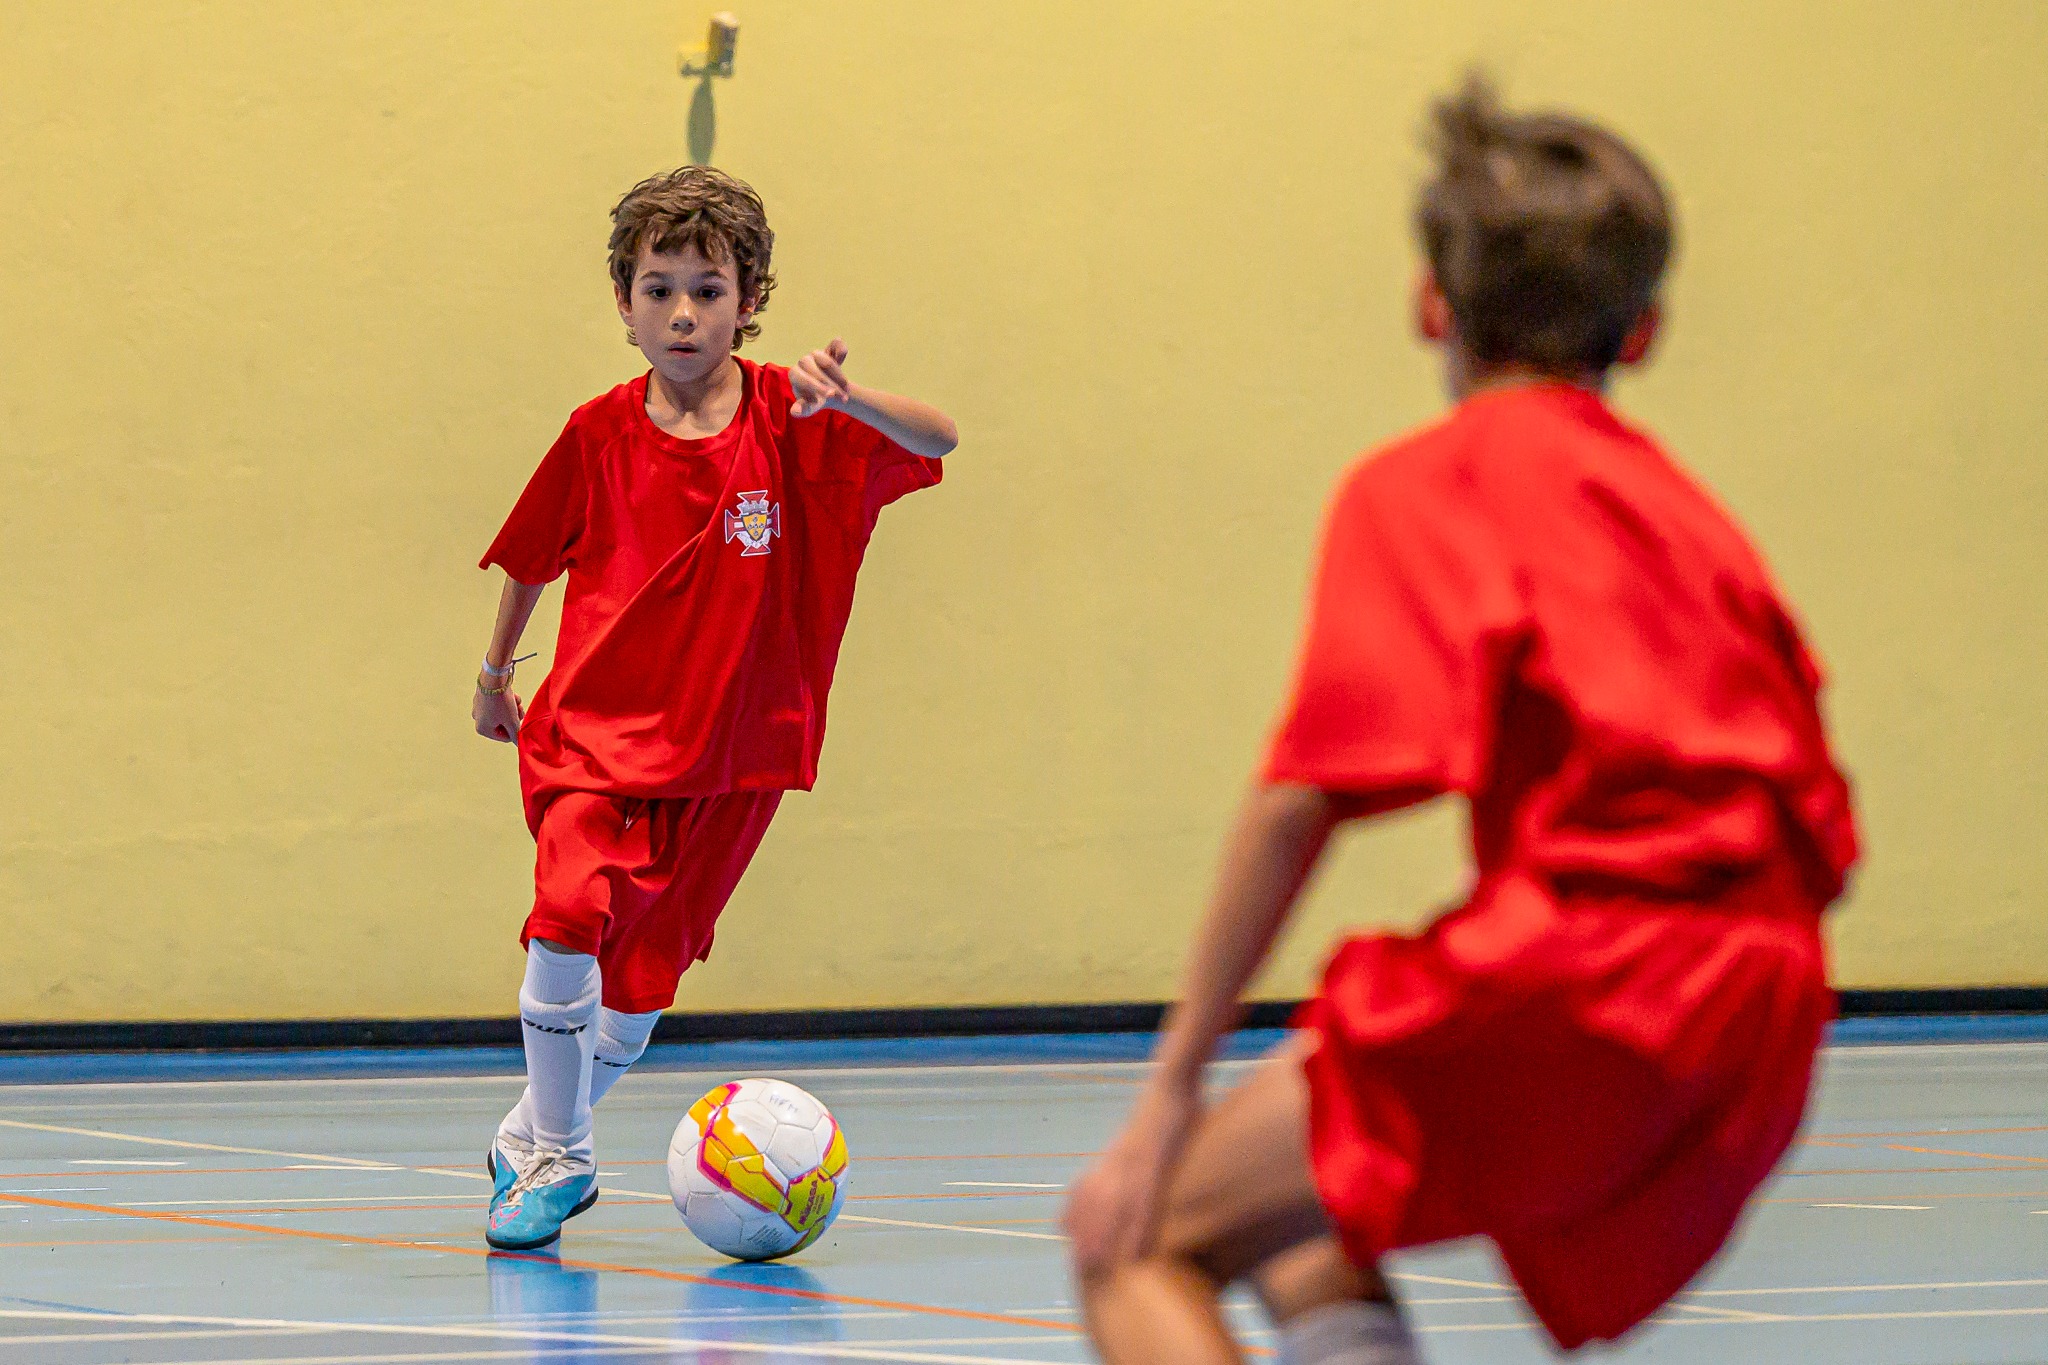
(729,1306)
(529,1287)
(535,1291)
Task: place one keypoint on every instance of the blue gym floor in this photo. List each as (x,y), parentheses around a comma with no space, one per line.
(328,1208)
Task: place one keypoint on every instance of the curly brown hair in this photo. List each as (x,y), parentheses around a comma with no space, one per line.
(696,206)
(1548,234)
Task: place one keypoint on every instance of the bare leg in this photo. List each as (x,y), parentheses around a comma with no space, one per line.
(1241,1201)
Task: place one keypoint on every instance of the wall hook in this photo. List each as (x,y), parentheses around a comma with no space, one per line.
(714,57)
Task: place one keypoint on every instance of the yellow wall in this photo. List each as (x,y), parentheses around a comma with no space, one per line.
(293,296)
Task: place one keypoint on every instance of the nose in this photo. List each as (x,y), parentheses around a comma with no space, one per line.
(682,321)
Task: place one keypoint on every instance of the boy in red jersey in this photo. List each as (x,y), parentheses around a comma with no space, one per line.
(711,516)
(1597,1058)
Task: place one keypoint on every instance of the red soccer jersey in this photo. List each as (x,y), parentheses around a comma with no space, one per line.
(1529,604)
(1597,1058)
(710,583)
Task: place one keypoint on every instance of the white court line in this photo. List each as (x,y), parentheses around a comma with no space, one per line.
(1773,1319)
(119,1161)
(199,1334)
(879,1342)
(1867,1288)
(1894,1208)
(531,1351)
(603,1319)
(1729,1314)
(1445,1280)
(951,1227)
(351,1162)
(322,1166)
(1006,1184)
(827,1350)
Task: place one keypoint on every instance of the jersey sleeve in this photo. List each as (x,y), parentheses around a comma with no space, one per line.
(1412,624)
(538,541)
(884,470)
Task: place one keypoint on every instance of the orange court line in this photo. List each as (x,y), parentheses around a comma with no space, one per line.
(1988,1156)
(1945,1132)
(1894,1194)
(677,1276)
(326,1208)
(1913,1170)
(129,1242)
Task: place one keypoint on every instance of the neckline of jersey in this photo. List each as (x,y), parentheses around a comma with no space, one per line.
(1588,406)
(701,445)
(1535,388)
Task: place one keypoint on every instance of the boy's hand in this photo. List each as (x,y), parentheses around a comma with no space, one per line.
(819,381)
(497,716)
(1113,1209)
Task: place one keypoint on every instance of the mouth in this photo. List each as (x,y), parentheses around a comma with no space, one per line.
(683,348)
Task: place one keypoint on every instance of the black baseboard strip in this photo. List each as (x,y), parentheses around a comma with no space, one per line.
(1864,1004)
(807,1025)
(790,1025)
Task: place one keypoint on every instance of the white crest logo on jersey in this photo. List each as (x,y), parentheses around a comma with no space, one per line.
(756,522)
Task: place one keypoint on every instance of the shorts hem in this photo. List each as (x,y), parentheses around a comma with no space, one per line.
(582,938)
(644,1004)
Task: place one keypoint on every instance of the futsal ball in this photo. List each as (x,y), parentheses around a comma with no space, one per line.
(757,1169)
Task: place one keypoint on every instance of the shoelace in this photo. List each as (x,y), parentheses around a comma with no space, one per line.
(545,1159)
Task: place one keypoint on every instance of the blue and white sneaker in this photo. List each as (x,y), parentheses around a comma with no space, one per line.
(503,1161)
(546,1191)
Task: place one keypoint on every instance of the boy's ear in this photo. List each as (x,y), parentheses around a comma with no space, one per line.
(1641,338)
(1433,321)
(625,304)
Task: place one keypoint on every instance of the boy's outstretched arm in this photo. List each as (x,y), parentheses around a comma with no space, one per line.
(497,713)
(1278,835)
(820,382)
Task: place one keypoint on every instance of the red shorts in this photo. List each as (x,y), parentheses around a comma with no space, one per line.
(640,884)
(1598,1090)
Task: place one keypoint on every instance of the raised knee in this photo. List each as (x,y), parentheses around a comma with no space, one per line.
(560,992)
(621,1038)
(1313,1275)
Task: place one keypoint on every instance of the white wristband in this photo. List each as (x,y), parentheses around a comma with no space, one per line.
(506,671)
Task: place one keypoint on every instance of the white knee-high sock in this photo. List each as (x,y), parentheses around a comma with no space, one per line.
(1368,1333)
(558,1014)
(621,1038)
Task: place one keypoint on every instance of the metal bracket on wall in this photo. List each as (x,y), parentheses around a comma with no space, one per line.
(714,57)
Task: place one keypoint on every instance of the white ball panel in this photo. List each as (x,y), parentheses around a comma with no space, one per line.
(757,1120)
(789,1104)
(794,1152)
(717,1225)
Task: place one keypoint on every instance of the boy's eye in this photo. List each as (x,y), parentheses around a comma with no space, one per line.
(658,291)
(709,294)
